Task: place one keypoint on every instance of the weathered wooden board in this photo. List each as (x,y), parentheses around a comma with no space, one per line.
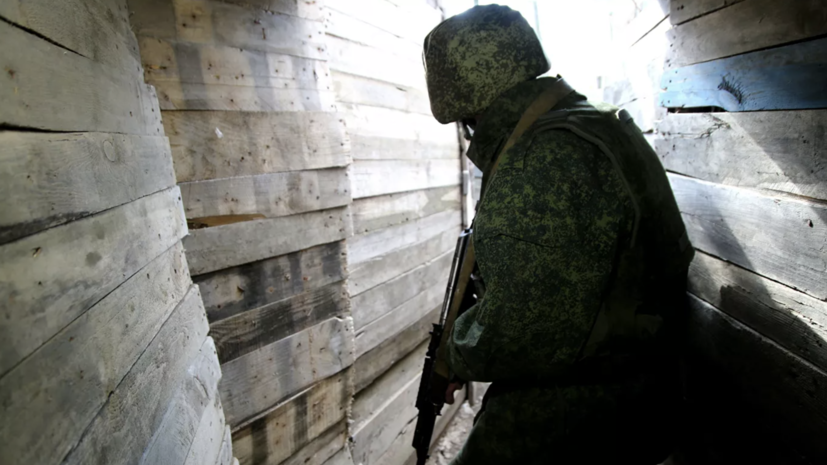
(265,96)
(289,427)
(96,29)
(383,148)
(376,302)
(793,320)
(308,9)
(372,245)
(220,247)
(390,210)
(372,273)
(174,438)
(412,21)
(782,78)
(235,290)
(253,329)
(47,87)
(225,456)
(340,458)
(379,359)
(384,123)
(781,238)
(681,11)
(365,91)
(73,373)
(269,195)
(134,409)
(400,450)
(745,27)
(53,277)
(221,144)
(383,65)
(49,179)
(221,23)
(321,449)
(206,446)
(388,325)
(378,177)
(780,150)
(352,28)
(259,380)
(786,393)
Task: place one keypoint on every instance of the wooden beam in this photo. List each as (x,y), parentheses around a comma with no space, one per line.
(783,78)
(221,144)
(681,11)
(383,65)
(206,446)
(743,27)
(353,29)
(379,177)
(411,22)
(220,247)
(260,380)
(385,123)
(321,449)
(102,251)
(779,150)
(225,456)
(390,210)
(780,238)
(49,179)
(307,10)
(361,90)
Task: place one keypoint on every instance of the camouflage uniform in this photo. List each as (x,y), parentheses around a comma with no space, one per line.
(583,257)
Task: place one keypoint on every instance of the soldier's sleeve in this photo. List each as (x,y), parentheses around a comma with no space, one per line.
(546,238)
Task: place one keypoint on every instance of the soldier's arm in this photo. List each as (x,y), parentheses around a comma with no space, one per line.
(546,239)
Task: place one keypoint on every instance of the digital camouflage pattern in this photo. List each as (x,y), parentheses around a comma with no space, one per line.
(473,57)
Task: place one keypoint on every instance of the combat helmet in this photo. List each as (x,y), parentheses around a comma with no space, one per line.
(473,57)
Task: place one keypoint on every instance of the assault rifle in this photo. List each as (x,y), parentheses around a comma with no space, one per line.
(435,374)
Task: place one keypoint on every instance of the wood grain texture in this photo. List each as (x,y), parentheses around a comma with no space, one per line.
(196,394)
(292,425)
(47,87)
(309,10)
(364,247)
(400,450)
(353,29)
(778,150)
(365,91)
(236,290)
(374,213)
(340,458)
(220,247)
(376,302)
(135,408)
(260,380)
(212,144)
(50,179)
(269,195)
(412,21)
(83,363)
(225,456)
(206,445)
(791,319)
(102,251)
(383,65)
(378,177)
(681,11)
(782,78)
(369,122)
(253,329)
(321,449)
(744,27)
(781,238)
(222,23)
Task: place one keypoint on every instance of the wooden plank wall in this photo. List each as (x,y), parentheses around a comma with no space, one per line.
(752,186)
(261,158)
(104,353)
(406,211)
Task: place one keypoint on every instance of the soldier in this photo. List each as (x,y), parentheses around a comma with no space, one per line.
(581,258)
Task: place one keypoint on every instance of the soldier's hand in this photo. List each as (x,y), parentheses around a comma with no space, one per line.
(449,392)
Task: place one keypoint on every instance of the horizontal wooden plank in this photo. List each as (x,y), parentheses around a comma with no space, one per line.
(220,23)
(383,65)
(743,28)
(783,391)
(681,11)
(207,442)
(239,289)
(253,329)
(134,409)
(384,123)
(52,89)
(292,425)
(379,177)
(50,179)
(263,96)
(364,247)
(215,144)
(376,302)
(365,91)
(379,359)
(400,450)
(221,247)
(96,29)
(225,456)
(388,325)
(781,238)
(84,362)
(352,28)
(783,78)
(340,458)
(260,380)
(390,210)
(175,436)
(412,21)
(101,251)
(383,148)
(793,320)
(310,10)
(376,271)
(779,150)
(321,449)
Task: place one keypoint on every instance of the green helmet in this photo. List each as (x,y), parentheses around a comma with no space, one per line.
(473,57)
